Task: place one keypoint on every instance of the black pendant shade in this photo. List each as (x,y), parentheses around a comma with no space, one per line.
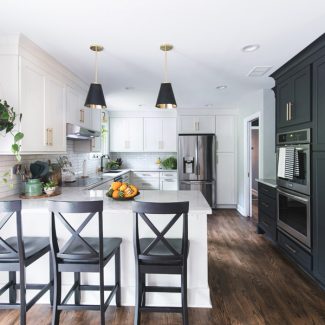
(166,98)
(95,97)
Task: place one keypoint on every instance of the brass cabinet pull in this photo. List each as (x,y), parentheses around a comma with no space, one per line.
(290,111)
(51,132)
(47,136)
(82,116)
(293,251)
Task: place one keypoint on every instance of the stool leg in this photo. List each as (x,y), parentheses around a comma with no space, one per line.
(184,296)
(12,289)
(77,291)
(56,297)
(102,301)
(51,279)
(137,313)
(22,296)
(118,277)
(143,292)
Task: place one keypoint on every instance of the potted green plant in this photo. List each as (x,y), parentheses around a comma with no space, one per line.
(8,121)
(49,187)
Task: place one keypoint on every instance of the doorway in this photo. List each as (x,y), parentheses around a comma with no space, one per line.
(253,167)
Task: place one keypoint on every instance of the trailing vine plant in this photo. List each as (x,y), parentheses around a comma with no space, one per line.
(8,118)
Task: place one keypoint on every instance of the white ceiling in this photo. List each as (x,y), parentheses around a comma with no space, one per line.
(207,35)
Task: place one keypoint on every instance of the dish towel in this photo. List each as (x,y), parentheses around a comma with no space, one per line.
(289,163)
(282,162)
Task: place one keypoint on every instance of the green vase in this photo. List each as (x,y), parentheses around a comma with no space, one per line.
(33,187)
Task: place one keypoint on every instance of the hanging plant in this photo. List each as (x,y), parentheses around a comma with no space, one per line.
(7,124)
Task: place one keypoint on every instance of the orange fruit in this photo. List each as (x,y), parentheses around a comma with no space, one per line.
(116,185)
(116,194)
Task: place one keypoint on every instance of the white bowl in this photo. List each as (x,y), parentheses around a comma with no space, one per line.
(49,190)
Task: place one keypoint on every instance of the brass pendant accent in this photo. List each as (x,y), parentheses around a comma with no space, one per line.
(166,47)
(96,48)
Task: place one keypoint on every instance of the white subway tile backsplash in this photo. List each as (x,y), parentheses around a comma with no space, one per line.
(141,160)
(7,162)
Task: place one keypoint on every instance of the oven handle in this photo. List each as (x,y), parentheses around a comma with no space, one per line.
(296,197)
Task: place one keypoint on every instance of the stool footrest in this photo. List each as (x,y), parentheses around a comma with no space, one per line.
(162,289)
(161,309)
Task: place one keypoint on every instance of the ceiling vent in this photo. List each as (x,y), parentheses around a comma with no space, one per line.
(259,71)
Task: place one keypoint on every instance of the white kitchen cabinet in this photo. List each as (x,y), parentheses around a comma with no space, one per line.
(226,181)
(126,134)
(159,134)
(96,119)
(55,129)
(225,133)
(168,181)
(196,124)
(43,109)
(76,112)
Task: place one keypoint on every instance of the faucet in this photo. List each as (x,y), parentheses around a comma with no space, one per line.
(102,161)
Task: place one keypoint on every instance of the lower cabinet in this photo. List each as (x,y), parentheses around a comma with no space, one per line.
(155,180)
(267,211)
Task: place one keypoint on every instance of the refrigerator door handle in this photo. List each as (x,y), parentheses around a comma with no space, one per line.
(196,158)
(197,182)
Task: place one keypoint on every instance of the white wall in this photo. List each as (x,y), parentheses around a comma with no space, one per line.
(261,101)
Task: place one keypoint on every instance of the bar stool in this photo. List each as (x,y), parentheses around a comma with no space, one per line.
(82,254)
(160,255)
(16,253)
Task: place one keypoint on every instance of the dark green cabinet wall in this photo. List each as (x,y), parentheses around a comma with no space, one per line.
(294,99)
(319,215)
(319,105)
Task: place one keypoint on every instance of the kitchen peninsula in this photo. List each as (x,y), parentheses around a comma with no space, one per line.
(118,222)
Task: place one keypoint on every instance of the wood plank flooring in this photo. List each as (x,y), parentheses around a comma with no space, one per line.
(250,282)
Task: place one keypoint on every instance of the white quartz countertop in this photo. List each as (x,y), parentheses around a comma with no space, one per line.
(198,203)
(268,182)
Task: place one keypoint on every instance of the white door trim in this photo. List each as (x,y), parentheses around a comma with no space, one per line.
(247,179)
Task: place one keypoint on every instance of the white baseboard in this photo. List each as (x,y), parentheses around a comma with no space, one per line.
(226,206)
(241,210)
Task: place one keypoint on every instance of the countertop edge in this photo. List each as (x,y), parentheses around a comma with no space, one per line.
(268,182)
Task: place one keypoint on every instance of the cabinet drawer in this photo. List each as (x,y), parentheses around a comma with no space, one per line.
(267,190)
(168,184)
(267,205)
(168,175)
(145,174)
(268,224)
(295,251)
(146,184)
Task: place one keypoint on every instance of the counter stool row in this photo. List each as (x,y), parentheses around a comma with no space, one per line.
(158,255)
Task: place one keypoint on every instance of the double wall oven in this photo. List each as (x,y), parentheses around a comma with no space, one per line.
(293,180)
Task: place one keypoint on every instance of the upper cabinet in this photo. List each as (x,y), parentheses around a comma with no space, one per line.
(42,105)
(159,134)
(44,92)
(126,134)
(196,124)
(293,93)
(225,133)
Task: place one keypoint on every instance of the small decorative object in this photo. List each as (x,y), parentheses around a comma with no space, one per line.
(33,187)
(169,163)
(49,187)
(122,191)
(158,162)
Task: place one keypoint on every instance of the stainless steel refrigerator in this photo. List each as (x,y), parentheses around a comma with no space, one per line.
(197,164)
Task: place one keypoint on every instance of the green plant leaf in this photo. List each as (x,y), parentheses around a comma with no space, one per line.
(18,136)
(15,148)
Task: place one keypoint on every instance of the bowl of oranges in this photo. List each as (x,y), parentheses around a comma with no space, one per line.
(122,191)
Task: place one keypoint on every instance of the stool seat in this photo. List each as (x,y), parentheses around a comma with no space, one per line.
(80,254)
(34,247)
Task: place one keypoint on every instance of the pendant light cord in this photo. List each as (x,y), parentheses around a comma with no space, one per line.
(96,67)
(166,71)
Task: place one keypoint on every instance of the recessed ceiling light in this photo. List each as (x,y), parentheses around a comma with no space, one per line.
(129,88)
(140,105)
(208,105)
(221,87)
(250,48)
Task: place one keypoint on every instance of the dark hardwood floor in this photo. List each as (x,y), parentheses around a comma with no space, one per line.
(250,282)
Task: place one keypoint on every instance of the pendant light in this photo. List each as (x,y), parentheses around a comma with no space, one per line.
(166,98)
(95,97)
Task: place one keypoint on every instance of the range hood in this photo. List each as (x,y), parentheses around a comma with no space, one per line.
(80,133)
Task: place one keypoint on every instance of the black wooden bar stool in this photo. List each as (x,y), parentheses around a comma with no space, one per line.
(16,253)
(82,254)
(160,255)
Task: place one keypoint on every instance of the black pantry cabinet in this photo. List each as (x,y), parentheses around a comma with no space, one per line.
(300,103)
